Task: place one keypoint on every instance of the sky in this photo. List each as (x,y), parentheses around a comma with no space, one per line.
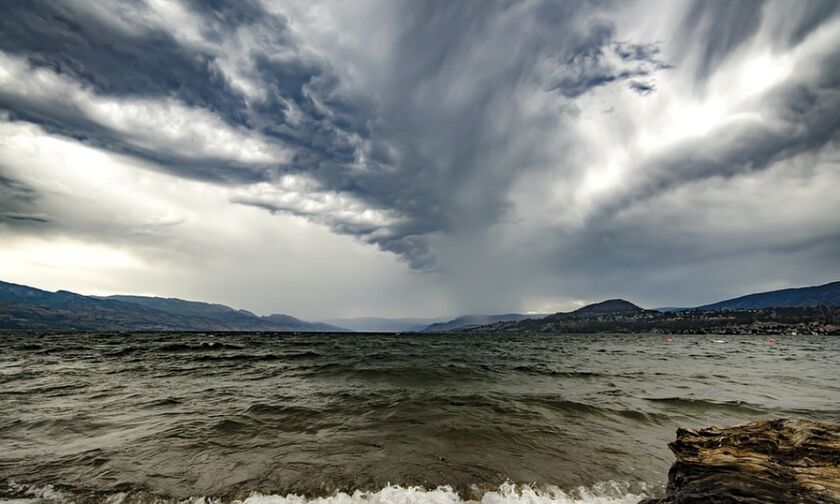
(420,158)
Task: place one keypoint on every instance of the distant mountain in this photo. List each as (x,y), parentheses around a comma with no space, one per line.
(289,323)
(671,309)
(605,310)
(184,307)
(619,316)
(382,324)
(226,314)
(23,307)
(516,321)
(608,307)
(475,321)
(802,297)
(29,308)
(596,315)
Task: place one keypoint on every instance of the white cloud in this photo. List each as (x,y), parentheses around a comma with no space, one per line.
(156,124)
(117,225)
(300,196)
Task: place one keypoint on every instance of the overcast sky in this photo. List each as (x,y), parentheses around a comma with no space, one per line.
(347,158)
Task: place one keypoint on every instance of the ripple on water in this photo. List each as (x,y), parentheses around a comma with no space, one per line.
(226,414)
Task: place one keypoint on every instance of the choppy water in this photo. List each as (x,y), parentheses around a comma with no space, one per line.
(393,419)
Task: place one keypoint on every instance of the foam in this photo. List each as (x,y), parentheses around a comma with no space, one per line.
(601,493)
(609,492)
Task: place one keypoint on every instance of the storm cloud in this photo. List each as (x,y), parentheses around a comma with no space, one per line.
(509,155)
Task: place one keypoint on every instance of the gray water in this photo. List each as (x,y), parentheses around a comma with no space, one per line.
(381,418)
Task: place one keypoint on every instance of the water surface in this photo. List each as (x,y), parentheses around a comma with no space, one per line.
(145,417)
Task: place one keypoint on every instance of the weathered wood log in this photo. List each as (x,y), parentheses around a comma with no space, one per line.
(767,461)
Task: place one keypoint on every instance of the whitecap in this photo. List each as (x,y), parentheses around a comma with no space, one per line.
(602,493)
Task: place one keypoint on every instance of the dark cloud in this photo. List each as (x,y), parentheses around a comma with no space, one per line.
(151,62)
(15,190)
(447,109)
(67,120)
(642,88)
(18,203)
(22,217)
(428,131)
(800,115)
(413,167)
(589,65)
(445,139)
(802,18)
(225,15)
(711,31)
(649,52)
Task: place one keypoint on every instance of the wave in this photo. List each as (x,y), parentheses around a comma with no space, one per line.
(704,404)
(542,369)
(201,345)
(280,409)
(609,492)
(258,357)
(173,348)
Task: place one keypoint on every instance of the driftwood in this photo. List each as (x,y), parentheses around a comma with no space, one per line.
(767,461)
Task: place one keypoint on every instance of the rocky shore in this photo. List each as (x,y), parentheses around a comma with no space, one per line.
(767,461)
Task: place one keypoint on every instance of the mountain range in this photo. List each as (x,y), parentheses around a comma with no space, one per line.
(23,307)
(827,295)
(467,321)
(620,316)
(29,308)
(801,297)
